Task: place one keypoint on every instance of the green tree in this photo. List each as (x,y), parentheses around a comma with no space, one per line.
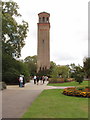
(31,62)
(72,70)
(52,72)
(79,74)
(13,34)
(63,71)
(12,69)
(60,71)
(31,59)
(9,72)
(86,63)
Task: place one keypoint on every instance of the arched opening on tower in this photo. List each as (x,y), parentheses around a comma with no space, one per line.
(40,69)
(43,19)
(43,41)
(40,20)
(47,19)
(45,67)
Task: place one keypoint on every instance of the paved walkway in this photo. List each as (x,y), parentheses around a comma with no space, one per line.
(15,100)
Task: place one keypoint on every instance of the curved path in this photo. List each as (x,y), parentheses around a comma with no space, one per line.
(15,100)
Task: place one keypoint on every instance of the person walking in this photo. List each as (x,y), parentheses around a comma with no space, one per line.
(38,79)
(21,81)
(46,78)
(43,78)
(41,81)
(35,79)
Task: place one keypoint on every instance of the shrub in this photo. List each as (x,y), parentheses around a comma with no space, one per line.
(60,80)
(79,78)
(80,88)
(2,85)
(56,80)
(11,76)
(12,68)
(79,74)
(65,80)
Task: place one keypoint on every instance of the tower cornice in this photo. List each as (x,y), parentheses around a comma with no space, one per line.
(43,23)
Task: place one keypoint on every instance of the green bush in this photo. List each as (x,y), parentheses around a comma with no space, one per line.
(11,76)
(12,68)
(65,80)
(79,78)
(56,80)
(79,74)
(2,85)
(60,80)
(80,88)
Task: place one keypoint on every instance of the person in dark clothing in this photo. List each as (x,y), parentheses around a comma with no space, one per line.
(23,81)
(41,79)
(38,79)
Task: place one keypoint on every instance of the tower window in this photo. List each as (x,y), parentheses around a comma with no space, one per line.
(47,19)
(43,19)
(45,67)
(43,41)
(39,19)
(40,68)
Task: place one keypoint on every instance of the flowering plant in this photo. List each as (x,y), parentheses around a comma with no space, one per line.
(75,91)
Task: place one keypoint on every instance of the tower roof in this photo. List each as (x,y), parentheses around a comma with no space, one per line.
(44,13)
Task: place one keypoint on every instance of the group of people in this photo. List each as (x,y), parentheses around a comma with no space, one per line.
(41,78)
(21,81)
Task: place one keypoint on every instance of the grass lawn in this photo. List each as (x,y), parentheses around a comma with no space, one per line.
(69,84)
(53,104)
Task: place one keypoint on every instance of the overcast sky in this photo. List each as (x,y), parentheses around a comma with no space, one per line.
(68,32)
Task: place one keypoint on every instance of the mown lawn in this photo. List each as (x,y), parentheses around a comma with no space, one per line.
(53,104)
(74,83)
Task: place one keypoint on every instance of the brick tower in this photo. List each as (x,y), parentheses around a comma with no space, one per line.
(43,48)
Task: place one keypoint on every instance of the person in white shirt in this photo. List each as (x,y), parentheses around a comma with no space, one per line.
(46,78)
(35,79)
(21,81)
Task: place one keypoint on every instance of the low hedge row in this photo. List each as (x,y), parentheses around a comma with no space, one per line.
(79,92)
(60,80)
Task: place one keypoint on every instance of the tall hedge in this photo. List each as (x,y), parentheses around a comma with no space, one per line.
(11,69)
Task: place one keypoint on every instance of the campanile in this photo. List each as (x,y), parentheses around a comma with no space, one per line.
(43,45)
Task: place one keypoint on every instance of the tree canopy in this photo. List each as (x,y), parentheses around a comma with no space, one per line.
(31,62)
(86,63)
(13,34)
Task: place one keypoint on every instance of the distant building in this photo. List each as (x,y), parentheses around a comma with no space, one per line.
(43,48)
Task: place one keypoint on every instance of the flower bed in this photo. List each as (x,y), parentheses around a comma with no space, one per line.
(77,91)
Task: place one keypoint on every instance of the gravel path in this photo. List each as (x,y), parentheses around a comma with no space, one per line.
(15,100)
